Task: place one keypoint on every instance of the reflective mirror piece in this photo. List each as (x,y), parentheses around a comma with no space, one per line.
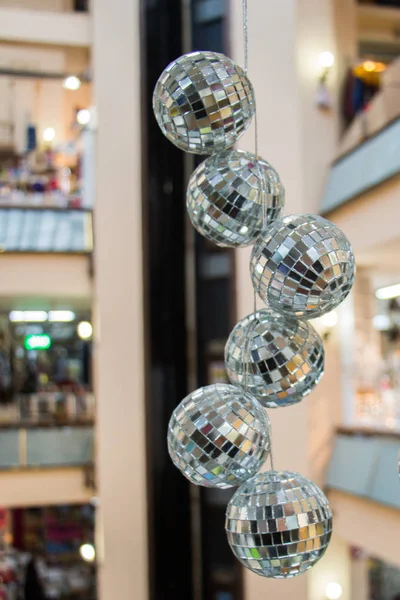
(279,524)
(286,358)
(303,266)
(203,102)
(231,194)
(218,436)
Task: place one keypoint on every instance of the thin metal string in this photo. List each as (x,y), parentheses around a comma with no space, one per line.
(255,128)
(252,324)
(245,34)
(247,349)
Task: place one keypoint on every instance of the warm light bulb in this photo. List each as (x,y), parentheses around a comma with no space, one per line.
(369,66)
(386,293)
(333,591)
(326,59)
(85,330)
(83,117)
(49,134)
(87,552)
(72,83)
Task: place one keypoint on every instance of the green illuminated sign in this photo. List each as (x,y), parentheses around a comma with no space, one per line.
(37,341)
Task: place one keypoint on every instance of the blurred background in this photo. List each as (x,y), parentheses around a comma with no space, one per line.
(112,309)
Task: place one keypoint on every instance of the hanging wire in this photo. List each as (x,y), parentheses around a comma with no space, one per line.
(255,129)
(247,352)
(271,454)
(245,34)
(264,195)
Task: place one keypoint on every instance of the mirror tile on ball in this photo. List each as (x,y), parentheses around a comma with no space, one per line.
(278,359)
(303,266)
(218,436)
(279,524)
(231,195)
(203,102)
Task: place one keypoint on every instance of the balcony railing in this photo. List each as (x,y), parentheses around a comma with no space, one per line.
(365,463)
(49,408)
(44,230)
(46,447)
(50,429)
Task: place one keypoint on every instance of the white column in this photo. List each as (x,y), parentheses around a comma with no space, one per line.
(360,578)
(335,567)
(119,358)
(285,40)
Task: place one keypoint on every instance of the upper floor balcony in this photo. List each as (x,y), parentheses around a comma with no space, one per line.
(58,22)
(47,449)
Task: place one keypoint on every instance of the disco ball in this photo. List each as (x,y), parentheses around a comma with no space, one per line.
(279,360)
(279,524)
(203,102)
(231,195)
(303,266)
(218,436)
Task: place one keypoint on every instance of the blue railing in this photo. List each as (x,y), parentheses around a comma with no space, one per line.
(46,447)
(366,466)
(370,164)
(43,230)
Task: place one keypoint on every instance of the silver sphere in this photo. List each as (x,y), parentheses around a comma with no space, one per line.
(203,102)
(303,267)
(218,436)
(279,360)
(279,524)
(231,195)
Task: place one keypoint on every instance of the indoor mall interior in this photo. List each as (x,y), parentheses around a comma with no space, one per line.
(114,308)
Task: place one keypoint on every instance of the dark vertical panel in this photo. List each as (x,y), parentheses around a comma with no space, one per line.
(169,501)
(222,574)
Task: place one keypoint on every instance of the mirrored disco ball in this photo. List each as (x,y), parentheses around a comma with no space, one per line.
(303,267)
(286,358)
(279,524)
(218,436)
(203,102)
(231,194)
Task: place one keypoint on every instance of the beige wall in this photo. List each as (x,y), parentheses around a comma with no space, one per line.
(45,5)
(370,526)
(45,26)
(43,487)
(45,276)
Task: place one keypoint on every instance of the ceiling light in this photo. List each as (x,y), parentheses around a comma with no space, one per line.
(369,66)
(49,134)
(72,83)
(85,330)
(391,291)
(61,316)
(326,59)
(333,591)
(28,316)
(330,319)
(87,552)
(83,117)
(381,322)
(326,322)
